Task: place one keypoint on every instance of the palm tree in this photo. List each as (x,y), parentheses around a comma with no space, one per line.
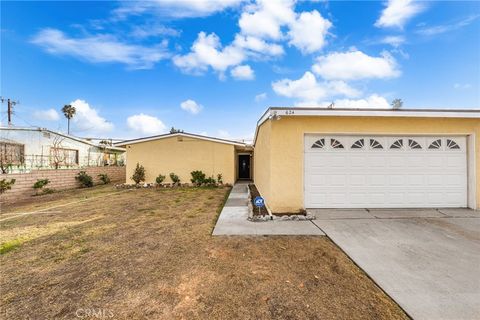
(69,112)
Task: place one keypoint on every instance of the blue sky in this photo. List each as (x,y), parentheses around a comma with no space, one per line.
(212,67)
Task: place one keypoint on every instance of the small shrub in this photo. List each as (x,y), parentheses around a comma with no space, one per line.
(198,177)
(6,185)
(38,186)
(219,178)
(138,174)
(40,183)
(159,179)
(104,178)
(175,179)
(210,181)
(85,180)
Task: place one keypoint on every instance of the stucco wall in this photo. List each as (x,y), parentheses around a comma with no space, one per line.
(262,160)
(181,157)
(283,190)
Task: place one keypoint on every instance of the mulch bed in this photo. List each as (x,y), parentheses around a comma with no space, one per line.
(263,211)
(254,193)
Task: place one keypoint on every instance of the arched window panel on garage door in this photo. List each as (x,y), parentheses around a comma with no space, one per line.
(397,144)
(435,144)
(451,144)
(335,144)
(320,143)
(359,144)
(413,144)
(374,144)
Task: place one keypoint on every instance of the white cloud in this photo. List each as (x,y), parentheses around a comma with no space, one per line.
(265,18)
(207,52)
(87,119)
(260,97)
(261,26)
(398,12)
(174,8)
(394,41)
(308,31)
(435,30)
(354,65)
(191,106)
(373,101)
(309,91)
(47,115)
(243,72)
(257,45)
(100,48)
(145,124)
(153,30)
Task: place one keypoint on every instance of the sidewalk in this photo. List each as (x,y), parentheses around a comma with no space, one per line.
(233,219)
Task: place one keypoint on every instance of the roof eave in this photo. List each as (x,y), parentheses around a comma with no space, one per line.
(367,112)
(184,134)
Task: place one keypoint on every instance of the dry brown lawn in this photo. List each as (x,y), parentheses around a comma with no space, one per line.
(149,254)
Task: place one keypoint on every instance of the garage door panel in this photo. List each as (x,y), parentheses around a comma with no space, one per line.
(376,180)
(357,160)
(358,198)
(383,178)
(338,198)
(435,160)
(415,161)
(396,180)
(415,180)
(436,180)
(396,198)
(357,180)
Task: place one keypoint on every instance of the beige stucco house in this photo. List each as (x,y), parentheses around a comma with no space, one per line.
(336,158)
(182,153)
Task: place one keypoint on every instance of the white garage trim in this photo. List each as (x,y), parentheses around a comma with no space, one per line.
(472,172)
(386,171)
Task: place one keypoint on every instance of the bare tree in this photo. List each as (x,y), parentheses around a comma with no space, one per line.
(58,155)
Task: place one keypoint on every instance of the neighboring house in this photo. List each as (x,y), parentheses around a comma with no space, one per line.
(182,153)
(24,149)
(337,158)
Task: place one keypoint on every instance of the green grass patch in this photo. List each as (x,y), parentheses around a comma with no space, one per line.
(10,245)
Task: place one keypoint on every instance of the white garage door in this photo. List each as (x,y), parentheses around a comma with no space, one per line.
(385,172)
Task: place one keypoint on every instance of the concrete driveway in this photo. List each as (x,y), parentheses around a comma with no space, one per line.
(428,260)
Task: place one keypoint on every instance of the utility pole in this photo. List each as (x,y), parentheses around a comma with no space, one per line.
(10,105)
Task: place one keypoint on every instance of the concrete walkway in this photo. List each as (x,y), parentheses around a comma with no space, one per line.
(233,219)
(427,260)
